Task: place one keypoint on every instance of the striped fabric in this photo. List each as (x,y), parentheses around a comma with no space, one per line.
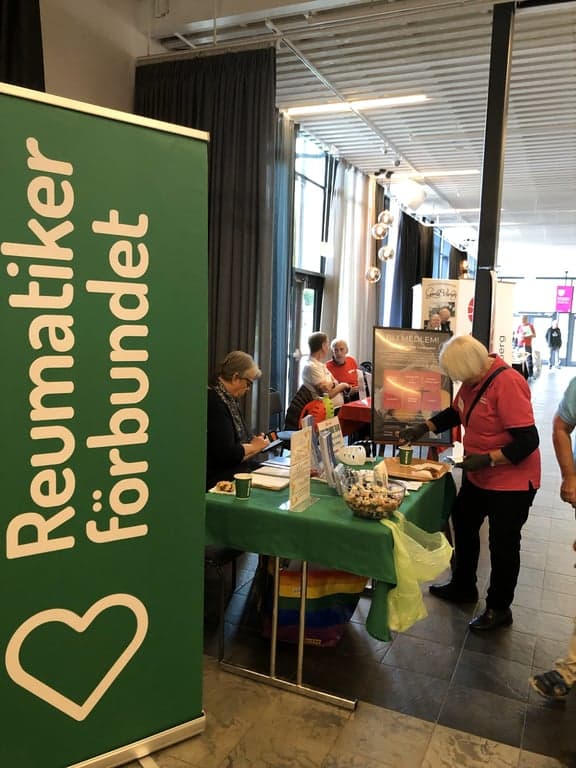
(332,597)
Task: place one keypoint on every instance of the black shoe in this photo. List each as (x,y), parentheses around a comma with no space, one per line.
(453,593)
(491,619)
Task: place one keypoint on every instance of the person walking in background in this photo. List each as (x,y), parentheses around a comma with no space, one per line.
(525,335)
(557,682)
(554,341)
(501,473)
(344,367)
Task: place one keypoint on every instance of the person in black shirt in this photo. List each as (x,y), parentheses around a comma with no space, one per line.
(554,341)
(231,447)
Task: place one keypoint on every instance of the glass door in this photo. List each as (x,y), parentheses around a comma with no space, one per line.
(305,311)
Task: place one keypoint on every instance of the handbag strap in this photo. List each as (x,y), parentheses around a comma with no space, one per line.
(481,391)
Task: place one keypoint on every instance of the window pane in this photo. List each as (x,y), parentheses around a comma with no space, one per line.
(308,205)
(310,159)
(307,320)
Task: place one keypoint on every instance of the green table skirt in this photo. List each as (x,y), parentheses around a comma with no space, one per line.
(326,533)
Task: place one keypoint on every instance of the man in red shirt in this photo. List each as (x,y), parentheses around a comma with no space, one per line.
(344,367)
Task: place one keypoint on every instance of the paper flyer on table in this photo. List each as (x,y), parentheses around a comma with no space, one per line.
(333,426)
(300,447)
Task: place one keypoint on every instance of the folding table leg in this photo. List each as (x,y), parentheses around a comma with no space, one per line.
(271,679)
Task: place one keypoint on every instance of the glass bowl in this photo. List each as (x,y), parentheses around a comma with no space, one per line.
(368,498)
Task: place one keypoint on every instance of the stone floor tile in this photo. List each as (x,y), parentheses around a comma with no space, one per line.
(453,749)
(344,760)
(293,732)
(534,760)
(376,733)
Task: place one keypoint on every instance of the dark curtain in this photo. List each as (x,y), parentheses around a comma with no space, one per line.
(233,97)
(329,186)
(283,241)
(21,57)
(455,259)
(381,203)
(414,261)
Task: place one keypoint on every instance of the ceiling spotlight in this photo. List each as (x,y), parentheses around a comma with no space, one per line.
(383,173)
(397,161)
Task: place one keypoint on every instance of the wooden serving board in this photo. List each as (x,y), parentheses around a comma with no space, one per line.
(410,471)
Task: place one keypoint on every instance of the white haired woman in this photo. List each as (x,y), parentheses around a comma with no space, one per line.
(501,473)
(230,444)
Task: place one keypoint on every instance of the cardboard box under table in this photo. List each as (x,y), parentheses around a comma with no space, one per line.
(328,533)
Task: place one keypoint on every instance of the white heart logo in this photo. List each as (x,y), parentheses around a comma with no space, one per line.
(79,624)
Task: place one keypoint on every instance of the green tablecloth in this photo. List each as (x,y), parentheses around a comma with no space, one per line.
(326,533)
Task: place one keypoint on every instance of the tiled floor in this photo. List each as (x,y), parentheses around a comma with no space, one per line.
(436,696)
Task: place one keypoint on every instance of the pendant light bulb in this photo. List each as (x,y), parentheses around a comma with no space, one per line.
(386,253)
(379,231)
(385,217)
(373,275)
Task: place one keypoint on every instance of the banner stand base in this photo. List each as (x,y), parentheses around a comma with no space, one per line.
(146,746)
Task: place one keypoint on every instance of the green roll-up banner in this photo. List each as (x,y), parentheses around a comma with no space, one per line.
(103,332)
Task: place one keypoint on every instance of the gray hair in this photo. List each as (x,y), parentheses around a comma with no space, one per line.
(463,358)
(241,363)
(339,341)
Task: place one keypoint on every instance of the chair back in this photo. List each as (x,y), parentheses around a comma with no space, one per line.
(366,366)
(275,410)
(302,397)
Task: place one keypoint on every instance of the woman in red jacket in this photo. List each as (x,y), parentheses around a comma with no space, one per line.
(501,473)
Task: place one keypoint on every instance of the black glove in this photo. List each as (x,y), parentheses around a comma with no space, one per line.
(475,461)
(413,433)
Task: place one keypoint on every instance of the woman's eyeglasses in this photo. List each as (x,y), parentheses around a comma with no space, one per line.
(248,382)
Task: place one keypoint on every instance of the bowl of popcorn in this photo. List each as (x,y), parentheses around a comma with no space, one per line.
(368,498)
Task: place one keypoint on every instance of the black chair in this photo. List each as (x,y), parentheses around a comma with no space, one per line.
(302,397)
(372,448)
(276,419)
(275,410)
(218,558)
(366,366)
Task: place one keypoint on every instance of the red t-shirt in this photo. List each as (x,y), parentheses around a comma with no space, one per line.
(505,404)
(345,374)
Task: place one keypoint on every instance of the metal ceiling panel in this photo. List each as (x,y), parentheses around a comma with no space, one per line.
(441,49)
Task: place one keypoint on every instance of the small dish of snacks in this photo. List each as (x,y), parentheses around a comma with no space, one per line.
(224,486)
(366,494)
(374,502)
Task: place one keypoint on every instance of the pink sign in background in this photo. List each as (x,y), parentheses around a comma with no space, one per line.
(564,294)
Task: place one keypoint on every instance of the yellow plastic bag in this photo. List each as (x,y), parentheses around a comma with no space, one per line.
(418,556)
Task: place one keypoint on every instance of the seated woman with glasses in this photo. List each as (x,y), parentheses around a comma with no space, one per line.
(231,447)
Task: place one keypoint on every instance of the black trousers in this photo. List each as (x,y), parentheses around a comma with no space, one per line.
(507,511)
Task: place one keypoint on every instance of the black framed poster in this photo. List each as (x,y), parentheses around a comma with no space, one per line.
(408,385)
